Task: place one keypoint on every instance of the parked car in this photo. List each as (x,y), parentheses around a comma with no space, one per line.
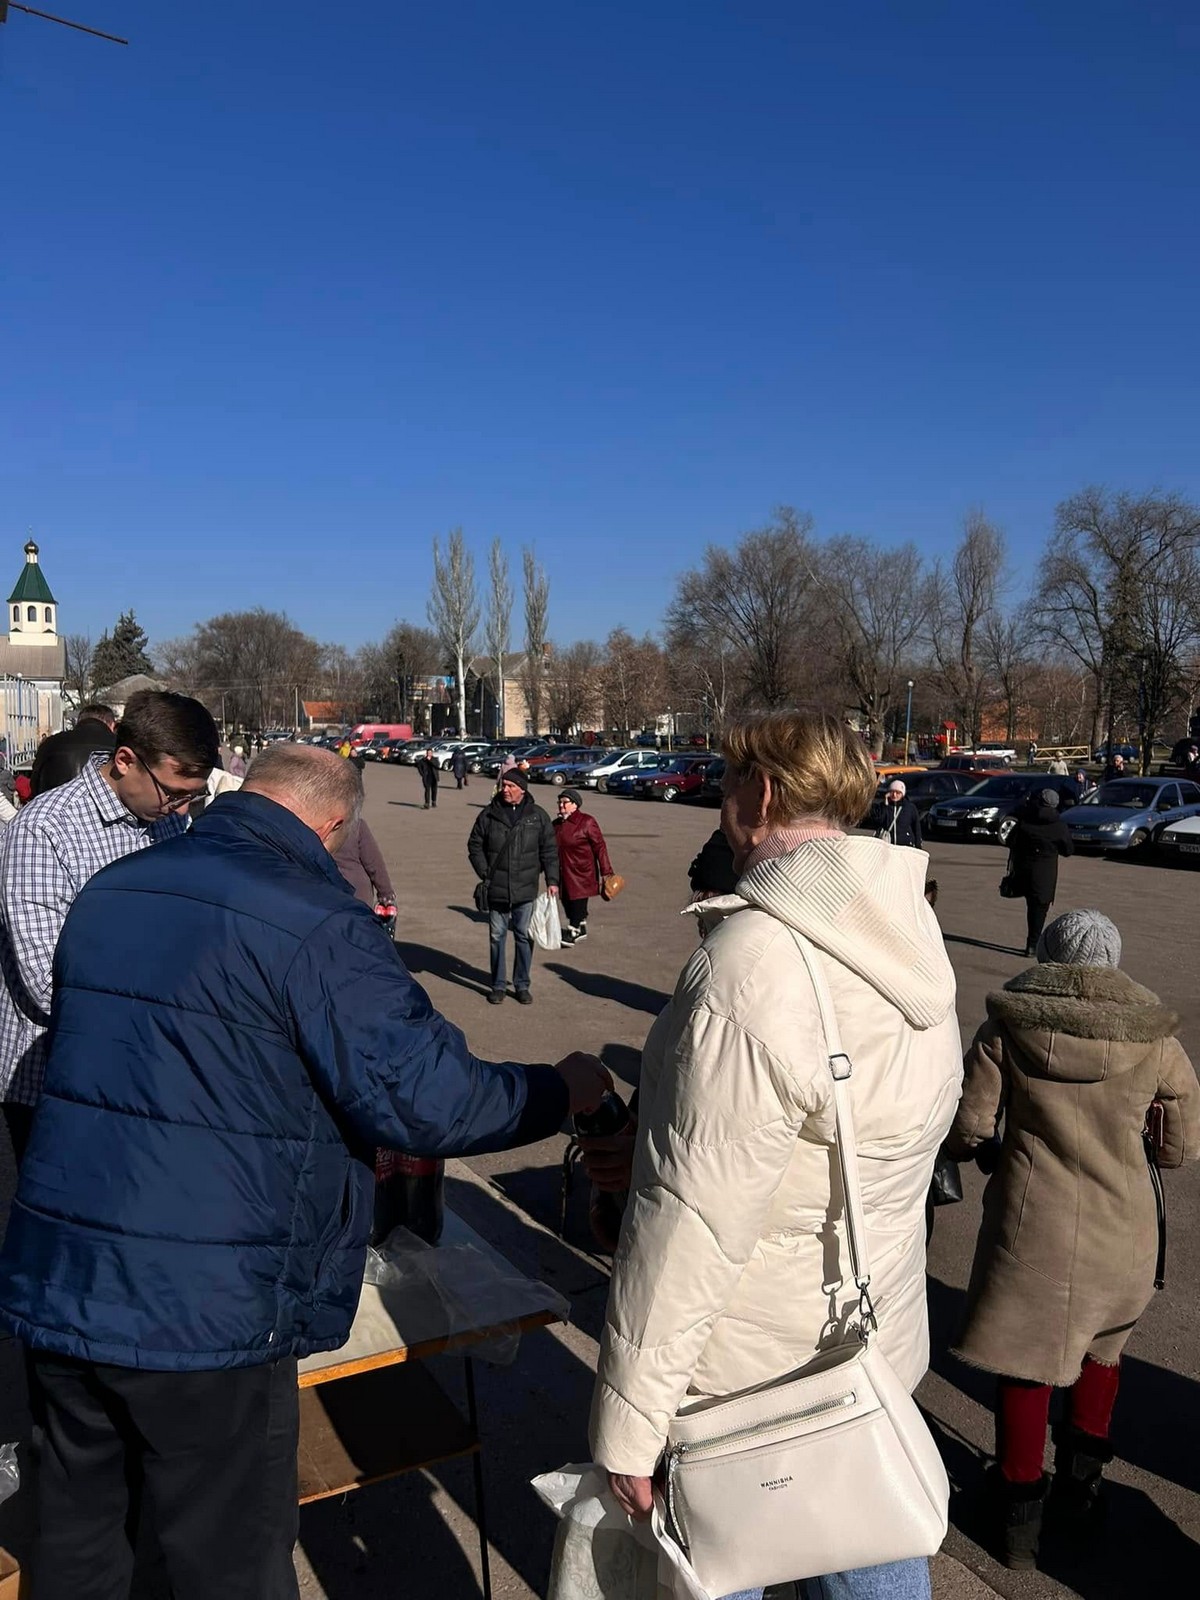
(563,772)
(1130,813)
(710,790)
(472,748)
(373,749)
(1129,751)
(988,810)
(683,776)
(885,770)
(969,761)
(622,782)
(521,752)
(1179,842)
(616,762)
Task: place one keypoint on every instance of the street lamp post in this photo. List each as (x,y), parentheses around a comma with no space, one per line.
(908,719)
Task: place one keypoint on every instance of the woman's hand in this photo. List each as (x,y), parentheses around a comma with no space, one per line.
(633,1495)
(608,1162)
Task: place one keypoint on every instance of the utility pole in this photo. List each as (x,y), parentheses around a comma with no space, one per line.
(63,22)
(908,719)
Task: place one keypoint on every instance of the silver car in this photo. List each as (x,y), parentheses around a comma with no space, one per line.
(1130,813)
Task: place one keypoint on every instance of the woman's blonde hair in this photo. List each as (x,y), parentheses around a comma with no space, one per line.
(818,767)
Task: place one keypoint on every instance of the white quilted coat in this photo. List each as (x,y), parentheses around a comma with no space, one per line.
(732,1267)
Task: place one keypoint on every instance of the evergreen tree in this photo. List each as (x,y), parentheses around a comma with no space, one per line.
(121,653)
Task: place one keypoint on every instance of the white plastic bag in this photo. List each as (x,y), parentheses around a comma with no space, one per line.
(544,926)
(600,1553)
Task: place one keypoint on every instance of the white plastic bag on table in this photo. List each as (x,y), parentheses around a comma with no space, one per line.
(544,926)
(10,1476)
(600,1553)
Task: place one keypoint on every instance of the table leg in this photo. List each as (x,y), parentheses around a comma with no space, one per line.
(477,1468)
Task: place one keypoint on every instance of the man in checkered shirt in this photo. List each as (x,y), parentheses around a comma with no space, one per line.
(166,745)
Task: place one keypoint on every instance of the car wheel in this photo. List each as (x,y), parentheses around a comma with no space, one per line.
(601,785)
(1139,840)
(1004,831)
(557,779)
(670,792)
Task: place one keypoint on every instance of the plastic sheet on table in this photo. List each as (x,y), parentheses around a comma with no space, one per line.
(10,1474)
(471,1289)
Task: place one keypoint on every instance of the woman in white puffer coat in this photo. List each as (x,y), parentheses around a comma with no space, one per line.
(733,1235)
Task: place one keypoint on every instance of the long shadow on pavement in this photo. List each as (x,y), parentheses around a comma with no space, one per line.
(602,986)
(424,958)
(982,944)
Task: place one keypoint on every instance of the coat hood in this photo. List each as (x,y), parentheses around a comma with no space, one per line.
(1081,1024)
(862,901)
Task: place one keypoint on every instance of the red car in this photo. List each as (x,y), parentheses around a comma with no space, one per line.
(683,776)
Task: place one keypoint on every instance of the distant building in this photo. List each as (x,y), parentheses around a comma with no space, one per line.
(33,662)
(119,694)
(484,716)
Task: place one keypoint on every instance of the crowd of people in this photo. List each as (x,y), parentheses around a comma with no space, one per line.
(205,1038)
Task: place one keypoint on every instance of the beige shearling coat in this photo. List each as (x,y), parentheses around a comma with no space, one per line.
(732,1268)
(1069,1061)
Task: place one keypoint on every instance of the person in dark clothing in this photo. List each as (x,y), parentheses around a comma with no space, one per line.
(895,818)
(582,859)
(360,861)
(712,871)
(427,767)
(458,766)
(511,847)
(63,756)
(1115,768)
(1034,846)
(231,1040)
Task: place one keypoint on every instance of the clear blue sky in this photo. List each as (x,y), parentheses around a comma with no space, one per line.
(286,288)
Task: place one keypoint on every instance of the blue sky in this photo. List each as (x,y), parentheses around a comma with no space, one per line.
(287,288)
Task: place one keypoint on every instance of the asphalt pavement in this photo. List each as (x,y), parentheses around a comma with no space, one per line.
(413,1538)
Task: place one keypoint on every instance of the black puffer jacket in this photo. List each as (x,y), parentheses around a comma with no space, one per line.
(1035,844)
(898,824)
(515,867)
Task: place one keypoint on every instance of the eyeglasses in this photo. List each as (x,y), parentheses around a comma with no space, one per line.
(169,799)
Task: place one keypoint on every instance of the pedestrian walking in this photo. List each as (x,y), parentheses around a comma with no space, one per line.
(63,756)
(1034,846)
(583,862)
(237,762)
(232,1040)
(166,745)
(458,766)
(1072,1062)
(511,847)
(722,1283)
(1058,768)
(1033,752)
(896,818)
(427,768)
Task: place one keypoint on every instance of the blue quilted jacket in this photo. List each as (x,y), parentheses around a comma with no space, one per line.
(231,1037)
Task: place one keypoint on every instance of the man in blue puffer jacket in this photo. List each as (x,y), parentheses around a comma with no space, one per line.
(231,1038)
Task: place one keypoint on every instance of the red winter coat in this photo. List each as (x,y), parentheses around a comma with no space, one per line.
(581,849)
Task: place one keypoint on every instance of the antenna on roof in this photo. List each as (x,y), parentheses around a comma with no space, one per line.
(64,22)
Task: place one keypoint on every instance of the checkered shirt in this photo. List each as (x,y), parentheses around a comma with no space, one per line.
(47,855)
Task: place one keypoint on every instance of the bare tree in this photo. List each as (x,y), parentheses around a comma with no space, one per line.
(454,610)
(1116,591)
(875,599)
(959,603)
(537,616)
(632,681)
(1008,655)
(387,672)
(499,620)
(250,667)
(573,685)
(77,683)
(754,601)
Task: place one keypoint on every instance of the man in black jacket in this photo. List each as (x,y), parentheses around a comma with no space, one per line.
(63,756)
(511,845)
(428,769)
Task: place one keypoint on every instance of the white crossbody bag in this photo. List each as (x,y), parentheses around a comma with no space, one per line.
(822,1473)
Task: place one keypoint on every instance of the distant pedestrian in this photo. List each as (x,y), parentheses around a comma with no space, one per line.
(511,847)
(1114,768)
(427,769)
(1034,846)
(458,766)
(583,862)
(1075,1060)
(1058,768)
(1033,750)
(237,761)
(344,749)
(895,818)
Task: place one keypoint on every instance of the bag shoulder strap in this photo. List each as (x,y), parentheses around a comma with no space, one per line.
(847,1150)
(501,855)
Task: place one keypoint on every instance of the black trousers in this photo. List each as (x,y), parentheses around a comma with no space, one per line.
(576,911)
(208,1457)
(431,789)
(1036,912)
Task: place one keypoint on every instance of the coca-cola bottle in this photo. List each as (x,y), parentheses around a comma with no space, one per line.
(612,1116)
(410,1193)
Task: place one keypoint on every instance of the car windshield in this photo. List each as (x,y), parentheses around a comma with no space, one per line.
(1010,787)
(1124,796)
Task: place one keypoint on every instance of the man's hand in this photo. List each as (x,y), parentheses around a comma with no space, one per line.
(633,1495)
(552,890)
(587,1080)
(609,1162)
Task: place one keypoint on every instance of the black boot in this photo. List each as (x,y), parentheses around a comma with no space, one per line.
(1023,1506)
(1079,1463)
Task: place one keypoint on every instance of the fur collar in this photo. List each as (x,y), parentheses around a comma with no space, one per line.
(1084,1002)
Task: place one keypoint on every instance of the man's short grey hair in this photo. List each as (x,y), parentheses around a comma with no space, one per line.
(318,783)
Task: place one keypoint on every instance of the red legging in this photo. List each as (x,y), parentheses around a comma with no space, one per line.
(1023,1411)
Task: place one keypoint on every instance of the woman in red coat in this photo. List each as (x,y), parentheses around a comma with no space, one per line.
(583,861)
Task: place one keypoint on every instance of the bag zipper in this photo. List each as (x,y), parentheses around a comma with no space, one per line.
(677,1452)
